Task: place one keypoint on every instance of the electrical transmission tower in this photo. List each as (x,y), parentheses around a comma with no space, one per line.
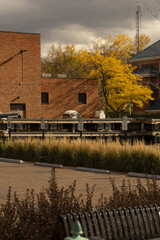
(138,15)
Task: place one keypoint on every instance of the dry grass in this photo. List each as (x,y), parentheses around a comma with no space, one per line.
(112,155)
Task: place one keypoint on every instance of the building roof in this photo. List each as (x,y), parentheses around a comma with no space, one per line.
(20,32)
(147,70)
(150,52)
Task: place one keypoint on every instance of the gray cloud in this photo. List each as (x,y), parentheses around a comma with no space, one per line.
(74,21)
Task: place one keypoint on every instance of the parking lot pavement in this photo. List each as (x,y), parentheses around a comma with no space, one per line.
(23,176)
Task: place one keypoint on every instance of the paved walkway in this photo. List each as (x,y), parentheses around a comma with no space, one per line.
(26,175)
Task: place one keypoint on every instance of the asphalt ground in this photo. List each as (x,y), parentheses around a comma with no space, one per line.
(23,176)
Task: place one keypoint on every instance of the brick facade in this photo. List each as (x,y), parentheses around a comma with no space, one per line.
(63,96)
(21,83)
(142,63)
(150,77)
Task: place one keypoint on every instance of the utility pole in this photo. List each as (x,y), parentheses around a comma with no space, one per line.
(138,15)
(22,51)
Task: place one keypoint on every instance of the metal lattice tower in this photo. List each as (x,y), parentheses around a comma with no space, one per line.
(138,15)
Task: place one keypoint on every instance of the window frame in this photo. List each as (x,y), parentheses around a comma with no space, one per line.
(44,98)
(82,98)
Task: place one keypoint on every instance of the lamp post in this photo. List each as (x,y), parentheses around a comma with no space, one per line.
(43,127)
(80,126)
(9,126)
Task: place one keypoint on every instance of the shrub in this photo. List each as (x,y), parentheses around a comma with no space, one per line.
(130,196)
(39,217)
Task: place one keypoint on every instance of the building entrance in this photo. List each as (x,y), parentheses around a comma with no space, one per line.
(18,107)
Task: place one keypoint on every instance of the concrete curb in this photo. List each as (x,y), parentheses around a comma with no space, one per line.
(143,175)
(92,170)
(10,160)
(48,165)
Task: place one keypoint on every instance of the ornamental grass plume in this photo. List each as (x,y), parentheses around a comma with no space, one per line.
(121,156)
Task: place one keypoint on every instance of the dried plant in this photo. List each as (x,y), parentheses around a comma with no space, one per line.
(38,217)
(129,196)
(112,155)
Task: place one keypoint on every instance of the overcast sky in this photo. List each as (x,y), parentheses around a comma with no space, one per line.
(77,21)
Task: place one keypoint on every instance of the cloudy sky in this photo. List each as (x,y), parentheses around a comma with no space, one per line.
(77,21)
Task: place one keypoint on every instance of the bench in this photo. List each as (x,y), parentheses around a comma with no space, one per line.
(133,223)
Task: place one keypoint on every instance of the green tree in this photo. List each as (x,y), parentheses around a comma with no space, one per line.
(62,61)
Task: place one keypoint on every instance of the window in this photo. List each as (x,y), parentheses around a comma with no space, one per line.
(44,97)
(82,98)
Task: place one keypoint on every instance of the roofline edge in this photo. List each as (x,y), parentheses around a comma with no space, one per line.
(143,59)
(20,32)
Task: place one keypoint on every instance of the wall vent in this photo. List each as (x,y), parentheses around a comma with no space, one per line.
(46,75)
(62,75)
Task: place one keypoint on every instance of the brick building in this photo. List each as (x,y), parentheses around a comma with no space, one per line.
(23,89)
(148,66)
(59,95)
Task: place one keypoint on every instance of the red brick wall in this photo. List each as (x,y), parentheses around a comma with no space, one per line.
(155,95)
(137,110)
(11,72)
(154,63)
(63,96)
(63,93)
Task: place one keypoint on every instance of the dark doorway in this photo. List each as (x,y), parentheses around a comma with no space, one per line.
(18,107)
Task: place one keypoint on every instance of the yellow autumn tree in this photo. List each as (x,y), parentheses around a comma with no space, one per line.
(119,86)
(63,59)
(121,46)
(143,42)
